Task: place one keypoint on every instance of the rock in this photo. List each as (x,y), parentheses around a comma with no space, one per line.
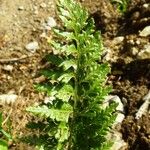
(51,22)
(120,108)
(131,41)
(8,67)
(43,5)
(20,8)
(45,26)
(35,10)
(119,143)
(146,5)
(118,40)
(144,108)
(145,32)
(138,42)
(134,51)
(107,54)
(8,98)
(32,46)
(43,35)
(114,135)
(145,53)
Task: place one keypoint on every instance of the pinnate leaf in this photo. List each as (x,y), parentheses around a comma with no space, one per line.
(66,77)
(65,93)
(62,132)
(68,64)
(54,59)
(58,114)
(67,35)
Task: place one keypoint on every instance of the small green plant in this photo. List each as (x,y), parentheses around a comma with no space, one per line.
(5,137)
(121,4)
(75,116)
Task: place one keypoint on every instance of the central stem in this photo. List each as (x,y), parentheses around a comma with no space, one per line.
(77,75)
(76,95)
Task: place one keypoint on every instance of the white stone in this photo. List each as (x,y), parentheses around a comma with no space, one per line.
(43,35)
(114,135)
(145,32)
(146,5)
(115,98)
(51,22)
(107,54)
(144,108)
(118,40)
(8,98)
(8,67)
(131,42)
(20,8)
(36,12)
(120,108)
(120,117)
(43,5)
(119,143)
(45,26)
(134,51)
(145,53)
(32,46)
(138,42)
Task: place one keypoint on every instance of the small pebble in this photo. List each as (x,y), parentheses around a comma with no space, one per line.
(131,42)
(8,98)
(51,22)
(145,53)
(8,67)
(146,5)
(36,12)
(32,47)
(118,40)
(43,5)
(145,32)
(20,8)
(138,42)
(35,9)
(43,35)
(134,51)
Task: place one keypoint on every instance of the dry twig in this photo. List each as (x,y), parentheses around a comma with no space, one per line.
(14,59)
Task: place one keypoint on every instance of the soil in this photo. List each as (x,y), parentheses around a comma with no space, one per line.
(21,23)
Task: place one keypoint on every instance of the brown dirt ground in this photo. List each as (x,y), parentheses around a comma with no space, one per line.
(130,77)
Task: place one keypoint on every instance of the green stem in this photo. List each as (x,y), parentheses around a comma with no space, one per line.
(76,96)
(77,80)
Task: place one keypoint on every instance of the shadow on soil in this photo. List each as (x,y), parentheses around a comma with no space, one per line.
(137,71)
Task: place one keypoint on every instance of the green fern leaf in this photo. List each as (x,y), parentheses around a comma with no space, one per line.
(65,93)
(66,77)
(68,64)
(77,82)
(54,59)
(58,114)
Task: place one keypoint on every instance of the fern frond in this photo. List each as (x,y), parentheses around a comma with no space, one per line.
(56,114)
(79,84)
